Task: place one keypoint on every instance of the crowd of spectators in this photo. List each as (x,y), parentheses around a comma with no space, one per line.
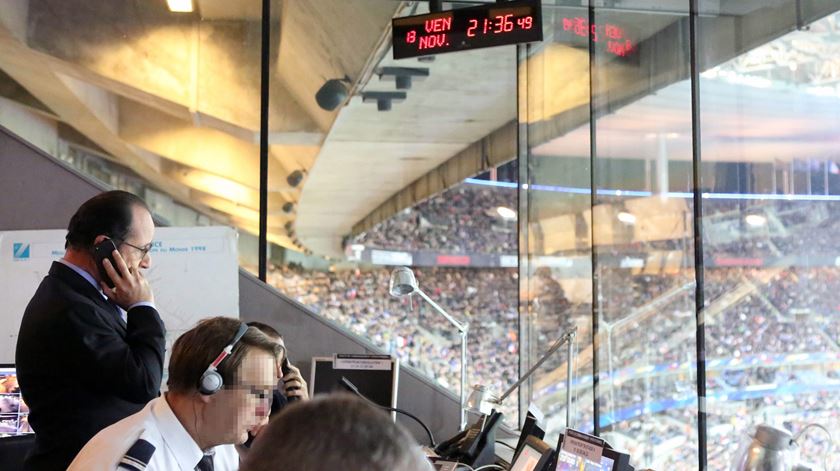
(463,219)
(645,318)
(410,329)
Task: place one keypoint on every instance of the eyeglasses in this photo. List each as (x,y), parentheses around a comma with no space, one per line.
(143,250)
(258,393)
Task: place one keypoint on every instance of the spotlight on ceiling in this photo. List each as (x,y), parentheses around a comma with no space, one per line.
(755,220)
(294,180)
(626,218)
(288,207)
(383,99)
(333,93)
(402,75)
(506,213)
(180,6)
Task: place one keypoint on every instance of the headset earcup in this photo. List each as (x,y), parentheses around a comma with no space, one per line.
(211,382)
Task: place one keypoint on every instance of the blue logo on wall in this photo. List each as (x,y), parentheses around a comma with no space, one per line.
(21,251)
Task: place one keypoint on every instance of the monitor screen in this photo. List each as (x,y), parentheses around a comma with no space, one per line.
(376,378)
(570,462)
(583,452)
(527,460)
(14,414)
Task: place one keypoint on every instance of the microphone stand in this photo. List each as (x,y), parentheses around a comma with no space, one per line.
(462,330)
(569,339)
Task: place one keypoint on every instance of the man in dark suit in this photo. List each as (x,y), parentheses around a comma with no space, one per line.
(89,355)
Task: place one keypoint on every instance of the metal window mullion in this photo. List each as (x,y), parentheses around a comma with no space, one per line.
(265,55)
(593,111)
(699,267)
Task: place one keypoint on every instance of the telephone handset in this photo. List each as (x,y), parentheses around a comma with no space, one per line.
(101,251)
(476,445)
(285,369)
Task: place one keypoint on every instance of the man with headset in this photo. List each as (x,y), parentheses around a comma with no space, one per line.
(221,376)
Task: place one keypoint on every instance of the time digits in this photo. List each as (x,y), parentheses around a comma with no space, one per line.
(499,24)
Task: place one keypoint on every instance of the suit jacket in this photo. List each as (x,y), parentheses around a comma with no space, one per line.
(80,367)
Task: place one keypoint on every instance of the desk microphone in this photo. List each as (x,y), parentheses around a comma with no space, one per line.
(348,385)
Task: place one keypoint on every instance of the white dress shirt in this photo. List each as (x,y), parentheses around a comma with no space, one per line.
(156,424)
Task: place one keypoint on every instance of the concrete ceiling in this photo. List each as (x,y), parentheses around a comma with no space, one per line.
(175,97)
(371,155)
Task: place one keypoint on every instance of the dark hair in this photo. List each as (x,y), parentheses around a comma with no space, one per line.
(332,432)
(108,213)
(266,329)
(196,348)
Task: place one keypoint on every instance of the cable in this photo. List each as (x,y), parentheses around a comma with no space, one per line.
(486,466)
(352,388)
(830,440)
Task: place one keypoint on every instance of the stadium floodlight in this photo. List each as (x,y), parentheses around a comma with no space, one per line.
(755,220)
(402,284)
(626,218)
(506,213)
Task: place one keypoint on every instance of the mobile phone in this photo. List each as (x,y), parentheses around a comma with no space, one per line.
(285,369)
(101,251)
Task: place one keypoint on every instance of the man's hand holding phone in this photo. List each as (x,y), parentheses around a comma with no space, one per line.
(130,286)
(294,387)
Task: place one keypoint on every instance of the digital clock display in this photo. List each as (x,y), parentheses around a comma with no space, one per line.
(495,24)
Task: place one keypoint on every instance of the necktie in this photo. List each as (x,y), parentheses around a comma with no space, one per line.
(206,463)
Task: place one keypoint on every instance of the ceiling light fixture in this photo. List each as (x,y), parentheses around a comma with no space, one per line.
(383,99)
(626,218)
(402,76)
(180,6)
(755,220)
(506,212)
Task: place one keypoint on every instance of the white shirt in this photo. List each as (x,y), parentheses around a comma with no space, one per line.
(157,424)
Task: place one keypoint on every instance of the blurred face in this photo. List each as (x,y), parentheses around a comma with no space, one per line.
(236,409)
(135,248)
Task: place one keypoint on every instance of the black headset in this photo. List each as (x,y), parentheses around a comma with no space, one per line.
(211,381)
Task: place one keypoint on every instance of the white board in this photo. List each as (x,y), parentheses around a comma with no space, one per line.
(194,274)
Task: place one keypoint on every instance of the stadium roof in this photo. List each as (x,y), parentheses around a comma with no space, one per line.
(177,100)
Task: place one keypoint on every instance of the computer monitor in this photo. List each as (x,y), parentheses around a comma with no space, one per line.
(376,376)
(535,455)
(14,413)
(620,461)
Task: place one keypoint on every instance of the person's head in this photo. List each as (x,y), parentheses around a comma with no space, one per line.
(249,375)
(334,432)
(274,335)
(116,215)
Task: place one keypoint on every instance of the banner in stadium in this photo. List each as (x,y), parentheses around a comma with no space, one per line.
(194,275)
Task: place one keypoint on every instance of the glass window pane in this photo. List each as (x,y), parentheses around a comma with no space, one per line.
(556,290)
(383,163)
(769,123)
